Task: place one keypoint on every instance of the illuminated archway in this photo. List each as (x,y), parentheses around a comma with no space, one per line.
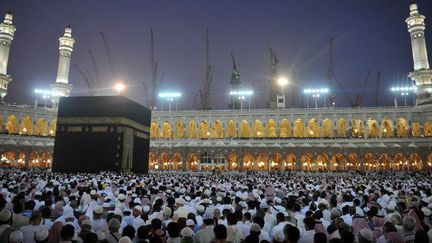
(415,163)
(53,128)
(429,160)
(357,128)
(192,162)
(290,162)
(153,161)
(321,163)
(192,129)
(244,129)
(370,161)
(353,162)
(45,159)
(307,160)
(21,161)
(166,130)
(402,128)
(299,129)
(177,161)
(383,162)
(341,128)
(12,124)
(217,130)
(248,162)
(276,162)
(285,129)
(34,159)
(398,161)
(179,129)
(233,162)
(337,162)
(262,161)
(204,131)
(258,131)
(313,128)
(271,131)
(165,163)
(231,130)
(387,128)
(154,130)
(327,128)
(8,159)
(427,129)
(26,127)
(41,127)
(373,128)
(415,129)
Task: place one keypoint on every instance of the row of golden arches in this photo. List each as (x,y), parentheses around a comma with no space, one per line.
(28,127)
(306,162)
(286,130)
(18,159)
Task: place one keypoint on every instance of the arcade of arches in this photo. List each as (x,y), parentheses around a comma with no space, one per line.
(22,159)
(39,127)
(307,161)
(327,128)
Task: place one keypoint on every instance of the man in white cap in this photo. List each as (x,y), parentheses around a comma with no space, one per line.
(34,226)
(206,234)
(16,237)
(98,223)
(113,235)
(5,224)
(41,235)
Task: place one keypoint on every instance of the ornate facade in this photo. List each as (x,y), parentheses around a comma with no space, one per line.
(325,139)
(379,138)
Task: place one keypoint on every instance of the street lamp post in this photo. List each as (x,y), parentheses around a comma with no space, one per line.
(282,82)
(316,96)
(404,92)
(170,97)
(44,95)
(316,93)
(241,95)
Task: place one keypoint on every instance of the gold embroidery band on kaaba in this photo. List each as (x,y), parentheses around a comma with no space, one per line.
(117,121)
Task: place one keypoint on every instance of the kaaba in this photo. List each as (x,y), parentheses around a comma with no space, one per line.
(101,133)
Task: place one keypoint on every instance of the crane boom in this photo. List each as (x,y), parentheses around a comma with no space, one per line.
(377,88)
(342,88)
(365,83)
(83,76)
(109,56)
(95,68)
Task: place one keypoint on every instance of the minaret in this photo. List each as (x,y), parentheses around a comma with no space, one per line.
(422,74)
(7,31)
(61,87)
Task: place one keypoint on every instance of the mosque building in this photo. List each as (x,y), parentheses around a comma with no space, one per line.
(308,139)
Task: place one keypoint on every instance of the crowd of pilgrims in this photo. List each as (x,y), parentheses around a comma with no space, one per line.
(40,206)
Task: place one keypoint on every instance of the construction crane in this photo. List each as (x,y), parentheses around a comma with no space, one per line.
(359,97)
(84,77)
(109,56)
(377,88)
(95,68)
(330,77)
(154,82)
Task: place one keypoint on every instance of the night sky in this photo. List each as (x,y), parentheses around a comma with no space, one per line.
(369,34)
